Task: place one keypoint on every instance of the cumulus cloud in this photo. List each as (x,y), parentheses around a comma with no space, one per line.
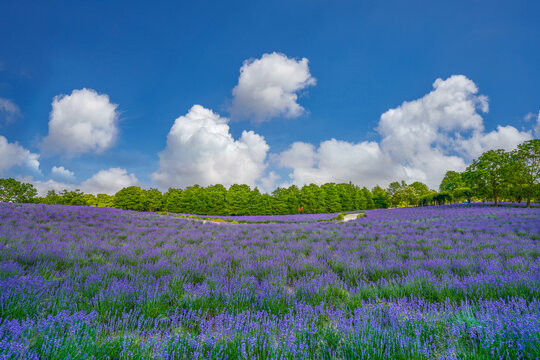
(82,122)
(13,154)
(267,183)
(505,137)
(420,140)
(108,181)
(60,172)
(201,150)
(339,161)
(42,187)
(8,110)
(268,87)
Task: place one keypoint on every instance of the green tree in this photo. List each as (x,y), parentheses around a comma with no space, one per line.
(217,199)
(173,200)
(90,199)
(73,197)
(312,199)
(52,198)
(153,200)
(130,198)
(369,199)
(265,205)
(238,197)
(395,187)
(451,181)
(189,201)
(488,173)
(346,193)
(104,200)
(12,190)
(462,193)
(425,200)
(331,197)
(442,197)
(381,198)
(525,168)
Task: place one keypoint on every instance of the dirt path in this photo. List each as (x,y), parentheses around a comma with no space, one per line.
(350,217)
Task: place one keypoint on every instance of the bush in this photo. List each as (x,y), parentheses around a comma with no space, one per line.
(340,217)
(359,216)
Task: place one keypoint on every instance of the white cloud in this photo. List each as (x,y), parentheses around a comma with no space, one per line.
(267,183)
(339,161)
(420,141)
(505,137)
(201,150)
(59,172)
(108,181)
(103,182)
(8,110)
(417,127)
(299,155)
(13,154)
(82,122)
(267,87)
(43,187)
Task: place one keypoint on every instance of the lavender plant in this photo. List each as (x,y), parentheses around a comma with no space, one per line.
(445,282)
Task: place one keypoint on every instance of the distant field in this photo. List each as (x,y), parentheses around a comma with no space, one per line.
(447,282)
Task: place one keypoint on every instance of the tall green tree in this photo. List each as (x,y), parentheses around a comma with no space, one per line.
(311,199)
(489,172)
(104,200)
(394,187)
(52,198)
(173,200)
(130,198)
(525,168)
(12,190)
(238,198)
(217,199)
(153,200)
(381,199)
(73,197)
(331,197)
(451,181)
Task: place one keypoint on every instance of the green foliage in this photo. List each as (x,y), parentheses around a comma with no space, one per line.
(104,200)
(525,169)
(407,195)
(12,190)
(488,173)
(381,199)
(462,193)
(340,217)
(172,200)
(452,180)
(90,199)
(130,198)
(425,200)
(238,200)
(443,197)
(153,200)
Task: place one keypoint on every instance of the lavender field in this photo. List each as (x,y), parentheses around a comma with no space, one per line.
(447,282)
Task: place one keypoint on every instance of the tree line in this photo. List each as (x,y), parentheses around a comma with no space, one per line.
(496,175)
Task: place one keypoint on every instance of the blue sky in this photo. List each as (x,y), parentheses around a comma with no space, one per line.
(362,58)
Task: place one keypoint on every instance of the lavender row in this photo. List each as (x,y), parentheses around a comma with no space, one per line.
(406,328)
